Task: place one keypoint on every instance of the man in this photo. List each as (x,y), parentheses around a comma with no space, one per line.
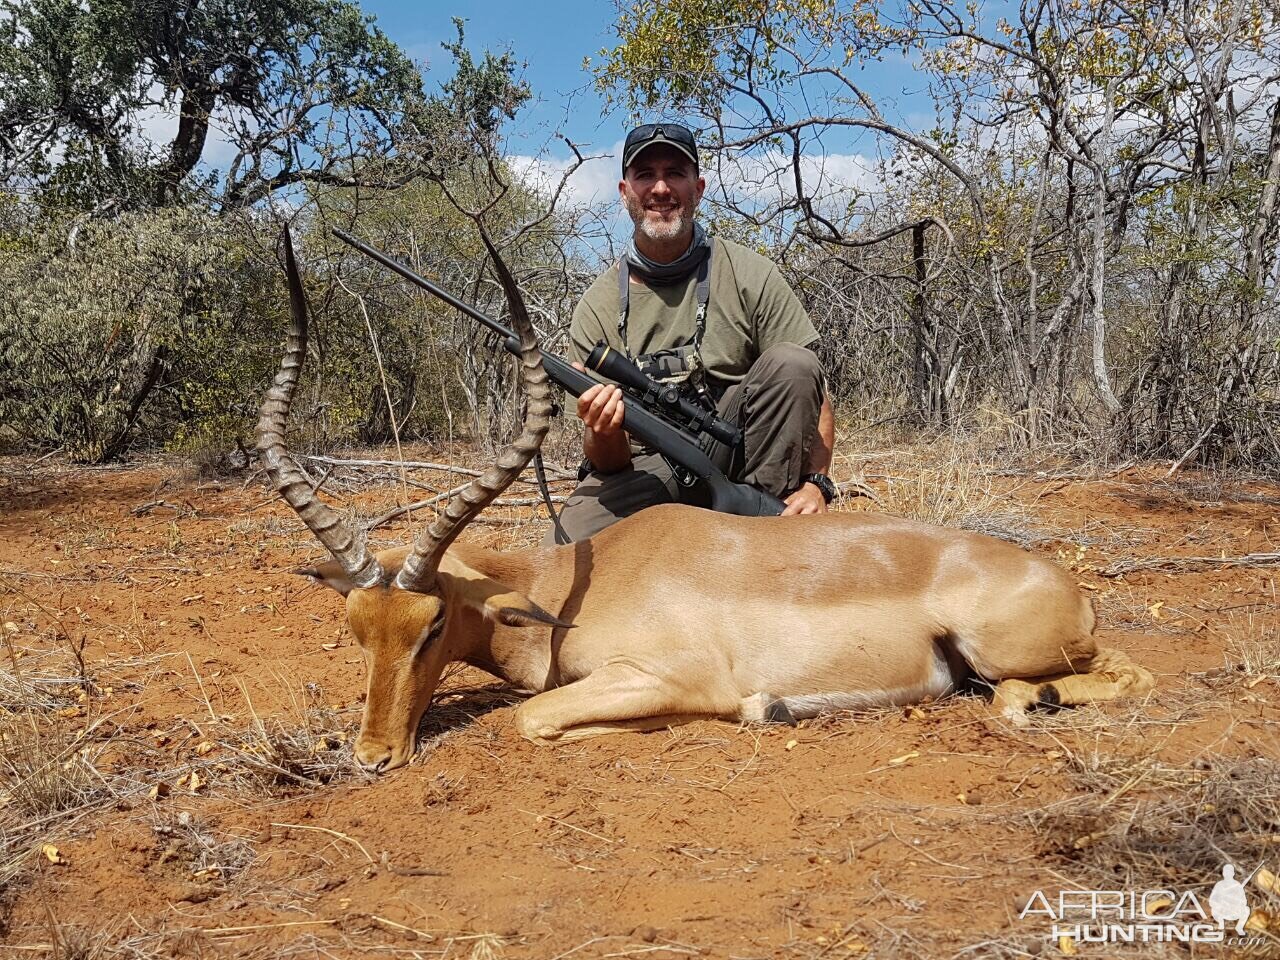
(708,313)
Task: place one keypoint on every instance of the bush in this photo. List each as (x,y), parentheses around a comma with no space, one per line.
(130,332)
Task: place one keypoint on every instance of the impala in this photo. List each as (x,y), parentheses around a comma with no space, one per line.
(679,613)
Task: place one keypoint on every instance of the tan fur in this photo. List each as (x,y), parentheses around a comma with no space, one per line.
(680,613)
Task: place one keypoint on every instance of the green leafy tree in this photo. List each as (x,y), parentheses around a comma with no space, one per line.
(298,89)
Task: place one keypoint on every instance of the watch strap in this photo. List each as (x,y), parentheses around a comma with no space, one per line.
(823,483)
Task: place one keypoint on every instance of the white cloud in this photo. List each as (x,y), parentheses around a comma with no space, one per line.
(755,180)
(158,125)
(593,184)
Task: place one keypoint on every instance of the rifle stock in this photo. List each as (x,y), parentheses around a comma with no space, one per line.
(726,496)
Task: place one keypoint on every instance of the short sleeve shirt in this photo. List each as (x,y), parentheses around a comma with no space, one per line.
(750,309)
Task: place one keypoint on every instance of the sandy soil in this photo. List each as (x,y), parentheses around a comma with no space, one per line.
(218,813)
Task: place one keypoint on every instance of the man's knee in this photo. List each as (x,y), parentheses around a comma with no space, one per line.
(604,499)
(787,361)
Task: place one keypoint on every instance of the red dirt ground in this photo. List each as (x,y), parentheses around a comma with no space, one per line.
(893,834)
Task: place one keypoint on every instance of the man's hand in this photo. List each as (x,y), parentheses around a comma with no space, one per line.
(604,442)
(600,408)
(808,499)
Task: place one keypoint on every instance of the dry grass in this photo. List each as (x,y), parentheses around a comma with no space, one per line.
(1145,824)
(44,768)
(952,482)
(309,747)
(47,779)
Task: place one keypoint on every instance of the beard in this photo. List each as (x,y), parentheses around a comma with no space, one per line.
(671,226)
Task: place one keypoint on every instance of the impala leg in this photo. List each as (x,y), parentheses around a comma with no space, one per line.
(1110,675)
(1013,698)
(617,697)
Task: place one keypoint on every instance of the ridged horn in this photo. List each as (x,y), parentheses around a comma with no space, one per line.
(347,546)
(419,570)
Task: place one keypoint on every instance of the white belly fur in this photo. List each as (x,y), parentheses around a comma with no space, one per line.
(938,682)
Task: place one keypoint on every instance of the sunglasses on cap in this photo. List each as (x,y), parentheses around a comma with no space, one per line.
(647,135)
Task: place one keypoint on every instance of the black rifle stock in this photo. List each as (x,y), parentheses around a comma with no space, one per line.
(726,496)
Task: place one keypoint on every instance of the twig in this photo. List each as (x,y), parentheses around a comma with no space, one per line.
(321,482)
(268,926)
(402,927)
(209,706)
(183,510)
(859,489)
(566,823)
(333,833)
(560,472)
(417,505)
(409,871)
(573,950)
(1191,564)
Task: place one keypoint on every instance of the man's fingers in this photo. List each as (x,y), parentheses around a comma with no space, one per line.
(805,502)
(603,411)
(587,399)
(612,410)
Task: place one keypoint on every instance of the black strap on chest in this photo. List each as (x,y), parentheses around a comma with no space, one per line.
(703,294)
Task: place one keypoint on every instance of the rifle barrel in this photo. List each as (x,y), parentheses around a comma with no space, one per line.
(423,282)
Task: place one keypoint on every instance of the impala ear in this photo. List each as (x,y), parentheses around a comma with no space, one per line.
(516,610)
(493,600)
(330,574)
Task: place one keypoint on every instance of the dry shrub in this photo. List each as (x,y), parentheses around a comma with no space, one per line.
(67,942)
(45,777)
(43,770)
(308,749)
(951,482)
(205,855)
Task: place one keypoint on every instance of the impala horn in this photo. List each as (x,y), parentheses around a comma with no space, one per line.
(347,545)
(419,570)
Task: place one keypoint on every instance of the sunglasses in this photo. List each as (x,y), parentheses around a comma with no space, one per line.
(674,132)
(678,135)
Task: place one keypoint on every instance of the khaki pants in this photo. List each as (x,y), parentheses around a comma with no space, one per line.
(776,405)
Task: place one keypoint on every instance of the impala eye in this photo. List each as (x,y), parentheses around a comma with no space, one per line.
(430,636)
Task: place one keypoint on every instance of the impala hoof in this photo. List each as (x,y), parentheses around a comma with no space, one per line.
(779,712)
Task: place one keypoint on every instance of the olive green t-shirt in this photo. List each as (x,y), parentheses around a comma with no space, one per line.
(750,309)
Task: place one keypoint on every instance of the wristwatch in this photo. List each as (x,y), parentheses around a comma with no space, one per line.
(823,483)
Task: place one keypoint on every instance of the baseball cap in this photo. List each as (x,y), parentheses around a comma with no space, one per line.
(675,135)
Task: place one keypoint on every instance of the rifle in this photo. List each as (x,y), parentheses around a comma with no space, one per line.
(673,441)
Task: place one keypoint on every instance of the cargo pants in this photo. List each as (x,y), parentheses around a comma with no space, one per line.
(776,404)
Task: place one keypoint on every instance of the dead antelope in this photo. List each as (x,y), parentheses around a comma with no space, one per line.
(679,613)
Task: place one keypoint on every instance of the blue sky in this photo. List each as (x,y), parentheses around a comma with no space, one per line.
(550,38)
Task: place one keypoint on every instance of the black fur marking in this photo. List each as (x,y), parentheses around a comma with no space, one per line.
(1048,696)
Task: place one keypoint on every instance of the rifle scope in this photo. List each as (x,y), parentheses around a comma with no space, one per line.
(608,362)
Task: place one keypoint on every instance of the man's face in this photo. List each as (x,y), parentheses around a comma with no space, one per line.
(661,190)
